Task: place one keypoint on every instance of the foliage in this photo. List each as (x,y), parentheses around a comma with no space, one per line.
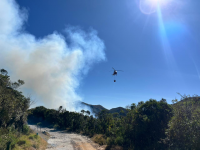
(13,105)
(100,139)
(149,123)
(145,126)
(183,132)
(26,129)
(142,127)
(13,114)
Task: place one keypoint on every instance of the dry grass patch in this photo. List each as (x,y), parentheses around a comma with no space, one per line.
(100,139)
(30,142)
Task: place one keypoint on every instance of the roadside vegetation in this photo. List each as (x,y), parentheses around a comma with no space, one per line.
(147,125)
(14,133)
(150,125)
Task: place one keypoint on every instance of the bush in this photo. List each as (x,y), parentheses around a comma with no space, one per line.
(36,136)
(31,137)
(110,140)
(21,142)
(56,126)
(184,127)
(100,139)
(119,140)
(36,146)
(26,129)
(8,138)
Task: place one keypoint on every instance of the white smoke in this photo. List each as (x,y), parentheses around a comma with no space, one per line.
(50,67)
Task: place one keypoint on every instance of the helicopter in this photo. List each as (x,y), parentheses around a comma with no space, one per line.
(115,73)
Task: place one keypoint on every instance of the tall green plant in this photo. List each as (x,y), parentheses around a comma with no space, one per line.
(183,132)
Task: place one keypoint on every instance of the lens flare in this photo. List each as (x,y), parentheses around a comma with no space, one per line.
(150,6)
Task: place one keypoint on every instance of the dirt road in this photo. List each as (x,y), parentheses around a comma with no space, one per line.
(61,140)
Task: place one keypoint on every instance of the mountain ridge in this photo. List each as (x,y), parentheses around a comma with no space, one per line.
(98,108)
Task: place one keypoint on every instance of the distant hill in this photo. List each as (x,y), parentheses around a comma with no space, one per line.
(98,108)
(95,108)
(118,110)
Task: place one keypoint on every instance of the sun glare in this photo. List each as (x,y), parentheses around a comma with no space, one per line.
(158,2)
(150,6)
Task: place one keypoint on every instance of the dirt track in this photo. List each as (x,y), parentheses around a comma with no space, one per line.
(61,140)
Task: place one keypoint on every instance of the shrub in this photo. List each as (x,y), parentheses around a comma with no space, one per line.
(21,142)
(26,129)
(36,136)
(31,137)
(56,126)
(119,140)
(100,139)
(183,131)
(36,146)
(8,139)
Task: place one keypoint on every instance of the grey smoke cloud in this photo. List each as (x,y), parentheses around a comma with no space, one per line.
(50,67)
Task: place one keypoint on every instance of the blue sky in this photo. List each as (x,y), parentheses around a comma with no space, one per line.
(158,52)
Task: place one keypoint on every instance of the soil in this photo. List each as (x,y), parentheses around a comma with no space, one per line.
(63,140)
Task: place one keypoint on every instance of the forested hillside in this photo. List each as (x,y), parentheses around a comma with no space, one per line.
(94,108)
(147,125)
(14,133)
(98,108)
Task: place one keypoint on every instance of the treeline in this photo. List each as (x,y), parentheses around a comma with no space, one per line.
(148,125)
(13,111)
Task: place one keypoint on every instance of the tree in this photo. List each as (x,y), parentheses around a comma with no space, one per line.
(183,132)
(88,112)
(82,111)
(163,100)
(133,106)
(13,110)
(4,72)
(13,105)
(149,124)
(60,109)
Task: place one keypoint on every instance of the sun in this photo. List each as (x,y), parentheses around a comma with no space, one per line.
(150,6)
(154,1)
(158,2)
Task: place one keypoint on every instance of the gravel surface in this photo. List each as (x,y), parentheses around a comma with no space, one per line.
(61,140)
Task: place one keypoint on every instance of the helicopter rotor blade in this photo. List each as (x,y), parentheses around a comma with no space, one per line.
(120,70)
(113,68)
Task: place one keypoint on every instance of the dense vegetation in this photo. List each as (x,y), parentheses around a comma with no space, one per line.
(14,133)
(147,125)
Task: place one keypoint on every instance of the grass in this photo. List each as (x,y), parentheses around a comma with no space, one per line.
(26,142)
(12,139)
(100,139)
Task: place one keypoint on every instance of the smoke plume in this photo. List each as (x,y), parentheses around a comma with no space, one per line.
(51,67)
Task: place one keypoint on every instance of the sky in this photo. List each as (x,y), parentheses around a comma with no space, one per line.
(155,43)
